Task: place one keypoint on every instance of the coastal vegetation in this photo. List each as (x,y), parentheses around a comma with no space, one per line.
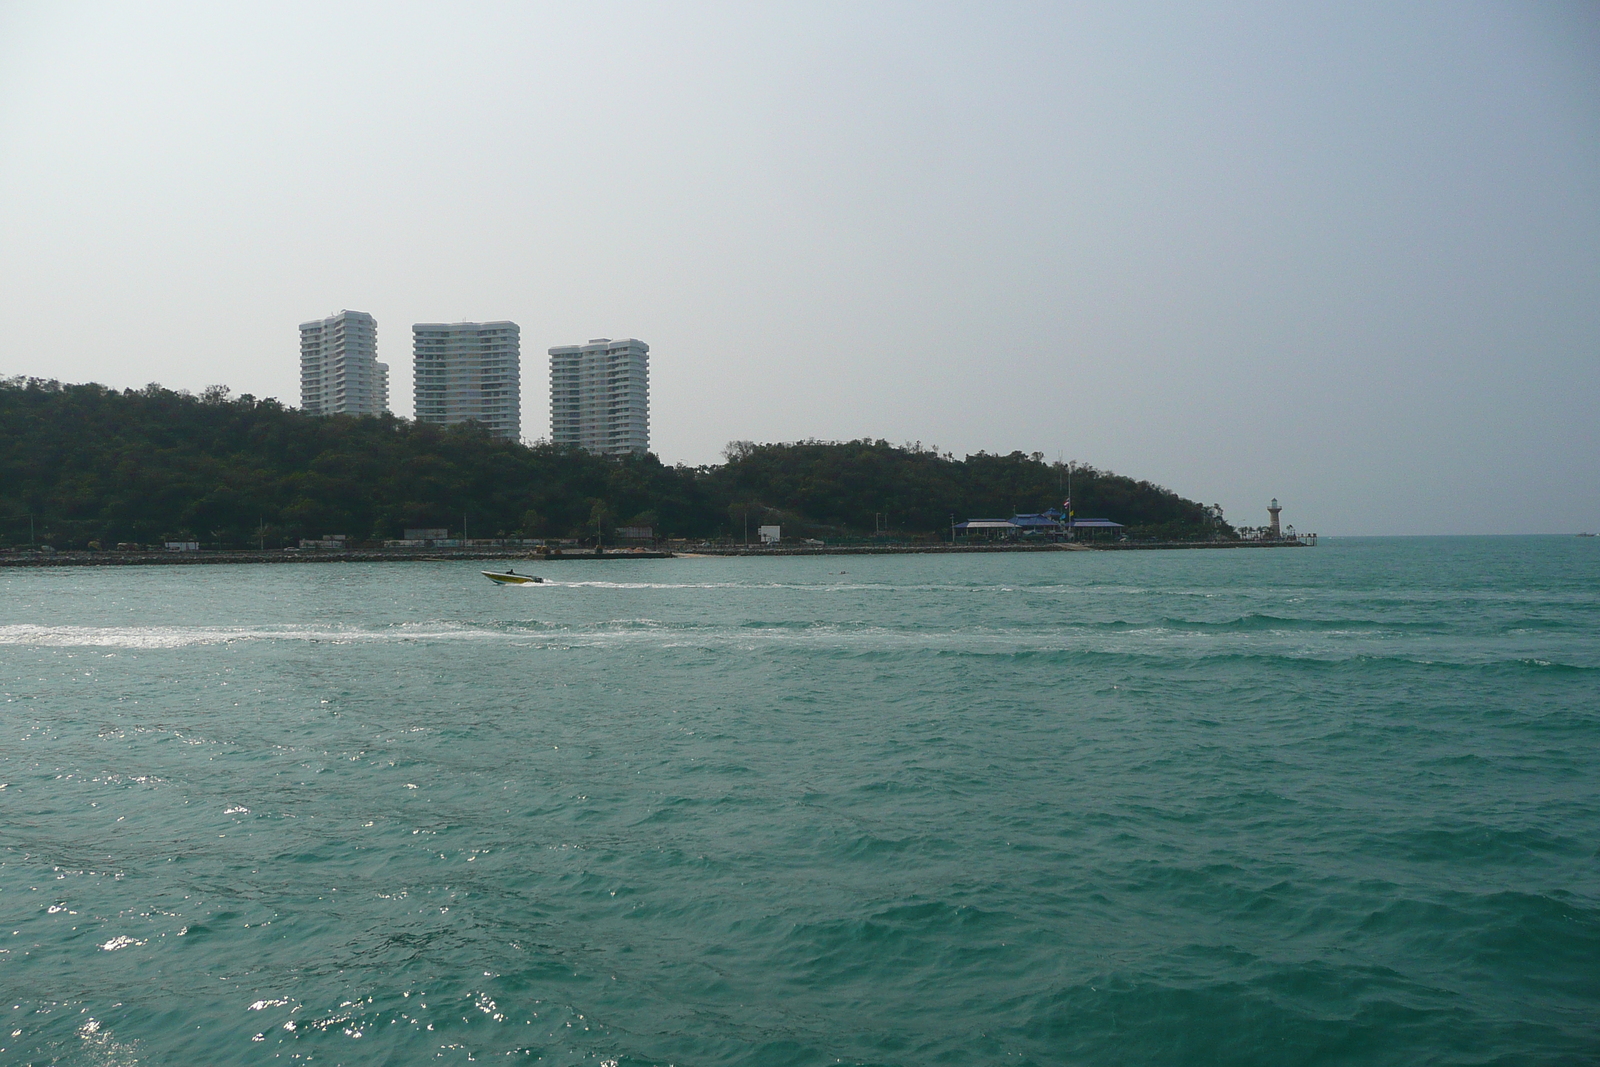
(85,464)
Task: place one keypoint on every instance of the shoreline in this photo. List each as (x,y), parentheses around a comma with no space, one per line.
(945,548)
(168,559)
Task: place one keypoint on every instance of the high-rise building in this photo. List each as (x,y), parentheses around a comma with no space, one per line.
(339,370)
(469,370)
(600,396)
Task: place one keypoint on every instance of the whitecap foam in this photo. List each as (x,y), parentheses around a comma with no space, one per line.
(163,637)
(121,941)
(637,631)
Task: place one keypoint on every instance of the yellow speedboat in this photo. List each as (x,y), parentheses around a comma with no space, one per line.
(511,577)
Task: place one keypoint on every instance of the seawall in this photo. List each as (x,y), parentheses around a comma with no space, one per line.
(147,559)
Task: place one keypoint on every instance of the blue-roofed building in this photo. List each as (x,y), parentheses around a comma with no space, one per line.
(1043,522)
(1092,527)
(1051,523)
(989,529)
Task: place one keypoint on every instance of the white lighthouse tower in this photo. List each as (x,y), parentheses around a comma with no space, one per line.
(1273,530)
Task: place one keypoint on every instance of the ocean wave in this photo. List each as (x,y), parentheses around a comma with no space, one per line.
(1259,622)
(164,637)
(1299,658)
(1165,644)
(808,587)
(1163,649)
(1476,844)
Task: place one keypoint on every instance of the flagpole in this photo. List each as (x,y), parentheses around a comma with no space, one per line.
(1070,512)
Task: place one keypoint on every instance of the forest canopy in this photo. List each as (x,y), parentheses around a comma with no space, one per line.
(82,463)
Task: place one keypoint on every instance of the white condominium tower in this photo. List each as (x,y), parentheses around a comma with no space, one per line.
(469,370)
(339,371)
(600,396)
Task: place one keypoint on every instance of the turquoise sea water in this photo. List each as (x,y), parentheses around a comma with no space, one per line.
(1327,806)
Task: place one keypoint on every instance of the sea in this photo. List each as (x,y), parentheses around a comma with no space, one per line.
(1331,805)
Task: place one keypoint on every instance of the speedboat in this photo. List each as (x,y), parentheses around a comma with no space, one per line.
(511,577)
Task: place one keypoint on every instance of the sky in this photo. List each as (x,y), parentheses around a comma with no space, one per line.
(1343,255)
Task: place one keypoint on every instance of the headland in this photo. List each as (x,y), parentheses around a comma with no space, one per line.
(102,477)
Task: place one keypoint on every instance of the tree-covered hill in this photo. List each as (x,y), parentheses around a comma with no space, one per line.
(88,463)
(92,463)
(856,485)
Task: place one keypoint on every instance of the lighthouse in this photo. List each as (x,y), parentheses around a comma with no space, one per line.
(1273,530)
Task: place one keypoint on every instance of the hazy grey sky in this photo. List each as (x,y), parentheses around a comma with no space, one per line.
(1346,255)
